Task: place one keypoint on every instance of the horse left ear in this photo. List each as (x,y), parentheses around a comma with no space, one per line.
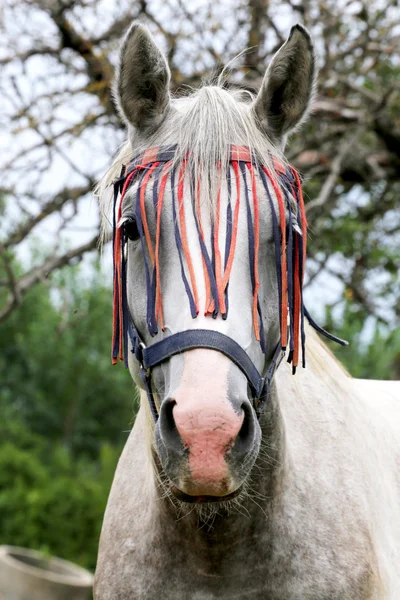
(288,86)
(142,83)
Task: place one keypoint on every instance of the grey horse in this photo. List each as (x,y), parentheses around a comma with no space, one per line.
(213,502)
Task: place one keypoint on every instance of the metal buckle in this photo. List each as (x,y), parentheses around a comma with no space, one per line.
(139,356)
(138,351)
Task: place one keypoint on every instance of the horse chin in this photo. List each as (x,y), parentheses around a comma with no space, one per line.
(186,491)
(203,498)
(201,495)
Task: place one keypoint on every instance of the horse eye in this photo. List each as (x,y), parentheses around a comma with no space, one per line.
(131,229)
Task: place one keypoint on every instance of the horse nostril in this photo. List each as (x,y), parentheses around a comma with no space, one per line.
(169,415)
(168,430)
(244,430)
(245,438)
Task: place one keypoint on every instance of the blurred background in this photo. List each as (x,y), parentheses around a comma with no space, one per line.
(65,412)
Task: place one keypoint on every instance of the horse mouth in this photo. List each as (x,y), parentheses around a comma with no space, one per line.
(183,497)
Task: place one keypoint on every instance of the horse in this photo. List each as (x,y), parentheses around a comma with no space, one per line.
(239,479)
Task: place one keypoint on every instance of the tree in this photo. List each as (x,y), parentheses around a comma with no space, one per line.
(55,367)
(65,415)
(374,352)
(60,123)
(49,500)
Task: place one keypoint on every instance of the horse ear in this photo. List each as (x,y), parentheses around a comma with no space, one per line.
(142,82)
(288,86)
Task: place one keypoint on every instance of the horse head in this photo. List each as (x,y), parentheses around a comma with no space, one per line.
(209,242)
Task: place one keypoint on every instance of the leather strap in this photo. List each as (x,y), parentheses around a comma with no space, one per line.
(203,338)
(151,356)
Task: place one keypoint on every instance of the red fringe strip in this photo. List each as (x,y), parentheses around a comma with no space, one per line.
(186,251)
(217,255)
(297,283)
(296,303)
(159,312)
(143,211)
(256,250)
(209,307)
(303,217)
(231,255)
(282,220)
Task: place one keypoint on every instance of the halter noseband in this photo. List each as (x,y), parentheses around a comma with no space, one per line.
(151,356)
(289,255)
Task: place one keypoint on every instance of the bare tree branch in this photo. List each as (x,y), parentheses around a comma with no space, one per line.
(53,205)
(331,180)
(27,281)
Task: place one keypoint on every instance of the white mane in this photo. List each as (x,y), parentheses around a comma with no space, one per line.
(203,125)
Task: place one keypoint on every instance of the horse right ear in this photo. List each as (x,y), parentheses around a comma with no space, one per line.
(288,87)
(142,82)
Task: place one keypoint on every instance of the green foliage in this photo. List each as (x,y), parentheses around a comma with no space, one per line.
(354,234)
(65,412)
(55,365)
(49,500)
(374,350)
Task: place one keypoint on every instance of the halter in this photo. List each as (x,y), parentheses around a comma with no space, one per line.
(290,253)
